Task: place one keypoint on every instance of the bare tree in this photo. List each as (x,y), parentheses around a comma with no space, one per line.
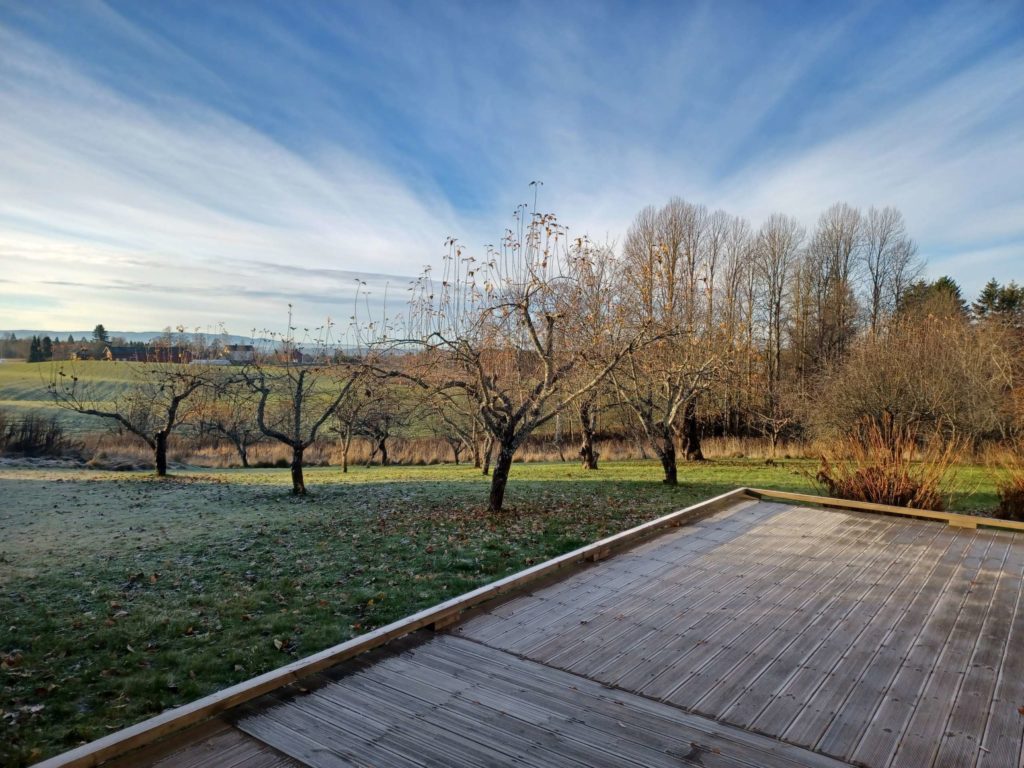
(890,262)
(660,382)
(510,333)
(777,252)
(834,256)
(297,392)
(457,422)
(156,402)
(382,414)
(932,374)
(230,413)
(346,419)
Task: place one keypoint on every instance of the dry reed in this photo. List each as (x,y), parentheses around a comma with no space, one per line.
(888,464)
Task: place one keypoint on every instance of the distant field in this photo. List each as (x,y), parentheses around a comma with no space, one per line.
(122,595)
(23,387)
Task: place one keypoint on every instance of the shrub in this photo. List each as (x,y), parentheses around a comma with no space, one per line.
(32,435)
(1010,488)
(1011,497)
(879,464)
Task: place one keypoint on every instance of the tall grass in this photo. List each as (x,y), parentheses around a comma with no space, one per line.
(115,450)
(1007,467)
(889,464)
(32,434)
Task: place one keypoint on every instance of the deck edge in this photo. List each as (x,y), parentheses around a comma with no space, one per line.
(954,519)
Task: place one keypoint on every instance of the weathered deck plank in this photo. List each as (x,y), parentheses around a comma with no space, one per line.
(457,702)
(224,747)
(885,731)
(961,740)
(793,641)
(874,639)
(844,651)
(885,657)
(1003,740)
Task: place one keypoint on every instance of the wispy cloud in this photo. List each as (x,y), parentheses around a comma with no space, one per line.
(163,167)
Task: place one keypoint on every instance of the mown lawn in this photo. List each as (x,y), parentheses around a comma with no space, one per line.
(122,595)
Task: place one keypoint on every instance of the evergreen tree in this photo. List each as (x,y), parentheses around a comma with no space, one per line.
(46,348)
(1000,302)
(71,339)
(99,334)
(35,351)
(941,297)
(987,300)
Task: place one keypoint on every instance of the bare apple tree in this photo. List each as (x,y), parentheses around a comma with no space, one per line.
(515,334)
(298,387)
(156,401)
(664,277)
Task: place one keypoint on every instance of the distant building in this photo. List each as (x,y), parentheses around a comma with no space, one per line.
(135,354)
(139,353)
(240,354)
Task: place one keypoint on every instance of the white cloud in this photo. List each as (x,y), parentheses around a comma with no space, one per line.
(89,179)
(144,213)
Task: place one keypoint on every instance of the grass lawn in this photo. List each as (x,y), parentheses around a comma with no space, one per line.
(122,595)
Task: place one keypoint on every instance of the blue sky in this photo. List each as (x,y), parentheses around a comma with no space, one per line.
(203,163)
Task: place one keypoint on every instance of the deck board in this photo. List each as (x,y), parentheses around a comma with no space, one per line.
(220,747)
(448,700)
(876,640)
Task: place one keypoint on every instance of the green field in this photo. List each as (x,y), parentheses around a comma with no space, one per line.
(23,388)
(122,595)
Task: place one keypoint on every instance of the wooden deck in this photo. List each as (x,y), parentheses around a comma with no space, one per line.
(765,634)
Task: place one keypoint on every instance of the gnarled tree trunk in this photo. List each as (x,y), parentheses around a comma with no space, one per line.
(488,455)
(691,433)
(298,481)
(499,479)
(588,428)
(160,451)
(667,454)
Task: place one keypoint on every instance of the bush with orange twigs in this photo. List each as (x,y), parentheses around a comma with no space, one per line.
(886,463)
